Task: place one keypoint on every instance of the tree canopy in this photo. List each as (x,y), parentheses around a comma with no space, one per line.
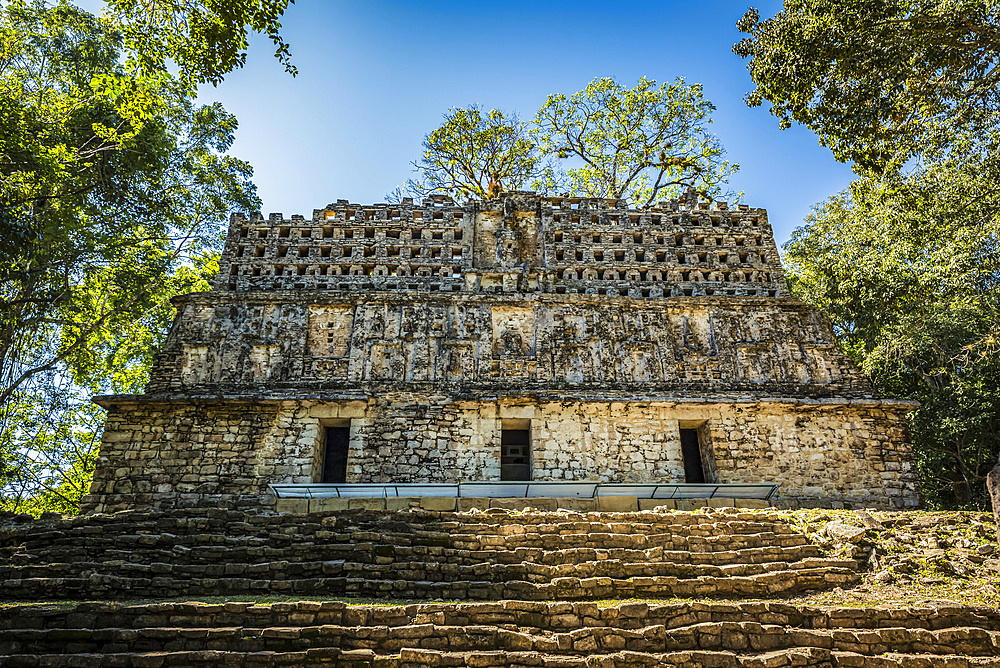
(881,81)
(907,262)
(205,40)
(909,271)
(473,151)
(95,223)
(114,191)
(637,144)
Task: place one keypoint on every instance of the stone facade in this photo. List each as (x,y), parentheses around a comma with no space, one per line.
(426,331)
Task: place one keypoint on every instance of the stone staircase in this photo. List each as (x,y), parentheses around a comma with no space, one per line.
(530,585)
(544,556)
(505,633)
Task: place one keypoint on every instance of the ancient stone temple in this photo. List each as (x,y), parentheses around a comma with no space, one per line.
(523,338)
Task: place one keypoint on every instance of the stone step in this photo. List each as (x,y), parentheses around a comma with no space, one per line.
(370,582)
(514,527)
(761,554)
(632,541)
(84,551)
(895,660)
(483,569)
(544,616)
(716,636)
(617,569)
(386,554)
(198,519)
(415,658)
(178,558)
(777,583)
(329,542)
(195,520)
(134,541)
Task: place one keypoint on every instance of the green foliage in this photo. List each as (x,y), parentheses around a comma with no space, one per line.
(473,150)
(906,264)
(109,206)
(98,226)
(52,437)
(909,270)
(881,81)
(205,40)
(637,144)
(50,449)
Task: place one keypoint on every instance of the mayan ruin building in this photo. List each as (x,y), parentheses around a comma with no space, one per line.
(522,338)
(526,343)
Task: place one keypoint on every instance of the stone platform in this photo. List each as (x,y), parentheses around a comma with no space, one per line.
(505,633)
(531,555)
(529,588)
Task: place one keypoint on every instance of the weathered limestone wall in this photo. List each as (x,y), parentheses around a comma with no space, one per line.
(821,453)
(518,243)
(855,453)
(291,343)
(168,454)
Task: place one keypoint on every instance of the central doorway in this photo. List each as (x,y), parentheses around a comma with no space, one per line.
(515,454)
(338,441)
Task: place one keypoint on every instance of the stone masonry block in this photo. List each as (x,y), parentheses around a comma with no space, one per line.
(438,503)
(582,505)
(328,504)
(366,504)
(290,505)
(617,504)
(468,503)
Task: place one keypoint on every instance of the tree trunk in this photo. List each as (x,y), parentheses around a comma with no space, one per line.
(993,487)
(963,486)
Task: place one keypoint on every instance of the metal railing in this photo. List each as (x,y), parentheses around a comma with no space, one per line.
(540,489)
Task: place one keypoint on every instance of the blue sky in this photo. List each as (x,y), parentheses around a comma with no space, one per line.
(376,76)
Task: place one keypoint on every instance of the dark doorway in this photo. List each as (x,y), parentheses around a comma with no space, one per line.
(691,452)
(335,454)
(515,454)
